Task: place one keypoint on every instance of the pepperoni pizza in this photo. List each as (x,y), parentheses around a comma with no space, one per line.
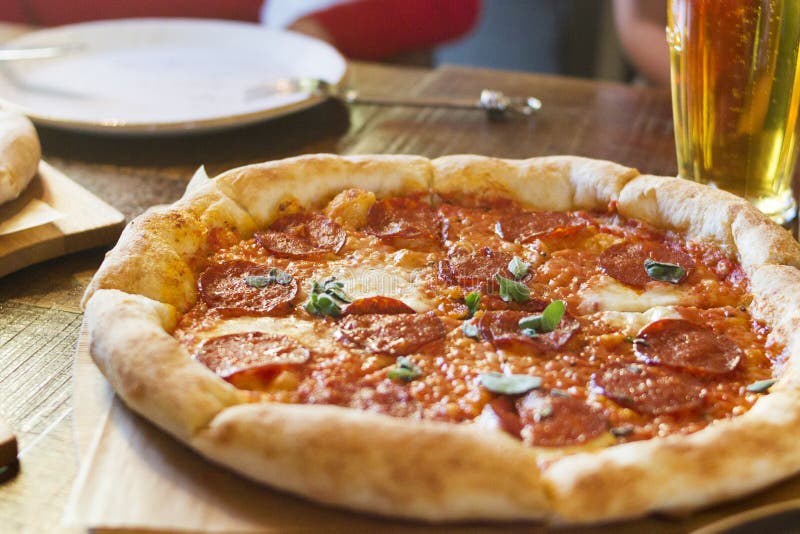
(559,338)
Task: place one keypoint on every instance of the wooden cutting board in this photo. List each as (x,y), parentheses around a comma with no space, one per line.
(84,221)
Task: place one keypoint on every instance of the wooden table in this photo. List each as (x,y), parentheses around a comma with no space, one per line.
(39,311)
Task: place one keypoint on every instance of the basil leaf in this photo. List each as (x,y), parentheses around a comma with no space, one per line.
(323,305)
(512,290)
(273,276)
(544,323)
(552,315)
(509,384)
(518,267)
(280,277)
(330,288)
(470,330)
(762,386)
(664,272)
(473,301)
(336,290)
(339,294)
(406,370)
(257,280)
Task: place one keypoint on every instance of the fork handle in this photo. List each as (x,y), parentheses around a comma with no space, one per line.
(494,103)
(351,96)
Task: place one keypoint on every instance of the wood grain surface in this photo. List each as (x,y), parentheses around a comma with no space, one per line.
(84,221)
(39,313)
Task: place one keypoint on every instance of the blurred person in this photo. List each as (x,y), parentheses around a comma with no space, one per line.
(641,27)
(360,29)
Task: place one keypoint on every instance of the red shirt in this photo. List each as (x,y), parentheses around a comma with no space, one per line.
(361,29)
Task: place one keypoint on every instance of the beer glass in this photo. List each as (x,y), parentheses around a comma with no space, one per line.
(735,96)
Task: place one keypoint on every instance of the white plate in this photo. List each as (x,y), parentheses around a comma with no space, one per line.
(163,75)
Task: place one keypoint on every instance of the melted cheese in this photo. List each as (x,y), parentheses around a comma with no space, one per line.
(603,293)
(629,323)
(363,282)
(305,332)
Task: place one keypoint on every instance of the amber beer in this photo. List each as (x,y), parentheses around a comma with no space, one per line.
(735,96)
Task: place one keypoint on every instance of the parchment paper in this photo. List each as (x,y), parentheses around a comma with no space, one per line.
(27,211)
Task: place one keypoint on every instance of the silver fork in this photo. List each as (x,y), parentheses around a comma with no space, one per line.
(494,103)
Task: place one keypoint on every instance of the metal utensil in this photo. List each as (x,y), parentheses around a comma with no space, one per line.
(494,103)
(13,53)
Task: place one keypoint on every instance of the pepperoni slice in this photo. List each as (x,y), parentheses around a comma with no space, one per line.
(223,288)
(650,390)
(302,235)
(501,328)
(403,218)
(681,343)
(523,227)
(377,305)
(501,413)
(625,261)
(475,269)
(395,335)
(556,421)
(252,352)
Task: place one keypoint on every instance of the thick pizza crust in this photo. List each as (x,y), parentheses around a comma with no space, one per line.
(709,215)
(269,190)
(157,253)
(148,368)
(422,469)
(550,183)
(19,154)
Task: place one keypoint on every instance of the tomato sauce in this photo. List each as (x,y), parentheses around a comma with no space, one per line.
(447,367)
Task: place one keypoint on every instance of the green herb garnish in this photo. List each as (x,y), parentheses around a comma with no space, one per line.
(518,268)
(762,386)
(509,384)
(322,304)
(335,289)
(546,322)
(470,330)
(664,272)
(274,276)
(324,297)
(406,370)
(473,301)
(512,290)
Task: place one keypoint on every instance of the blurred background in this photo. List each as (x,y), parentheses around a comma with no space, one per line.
(568,37)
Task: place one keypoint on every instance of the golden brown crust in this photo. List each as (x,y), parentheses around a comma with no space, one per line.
(709,215)
(435,471)
(19,154)
(268,190)
(157,254)
(148,368)
(375,463)
(550,183)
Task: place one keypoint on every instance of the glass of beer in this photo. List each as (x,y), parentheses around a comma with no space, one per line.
(736,96)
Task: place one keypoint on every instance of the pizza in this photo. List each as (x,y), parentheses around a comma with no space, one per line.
(19,154)
(557,339)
